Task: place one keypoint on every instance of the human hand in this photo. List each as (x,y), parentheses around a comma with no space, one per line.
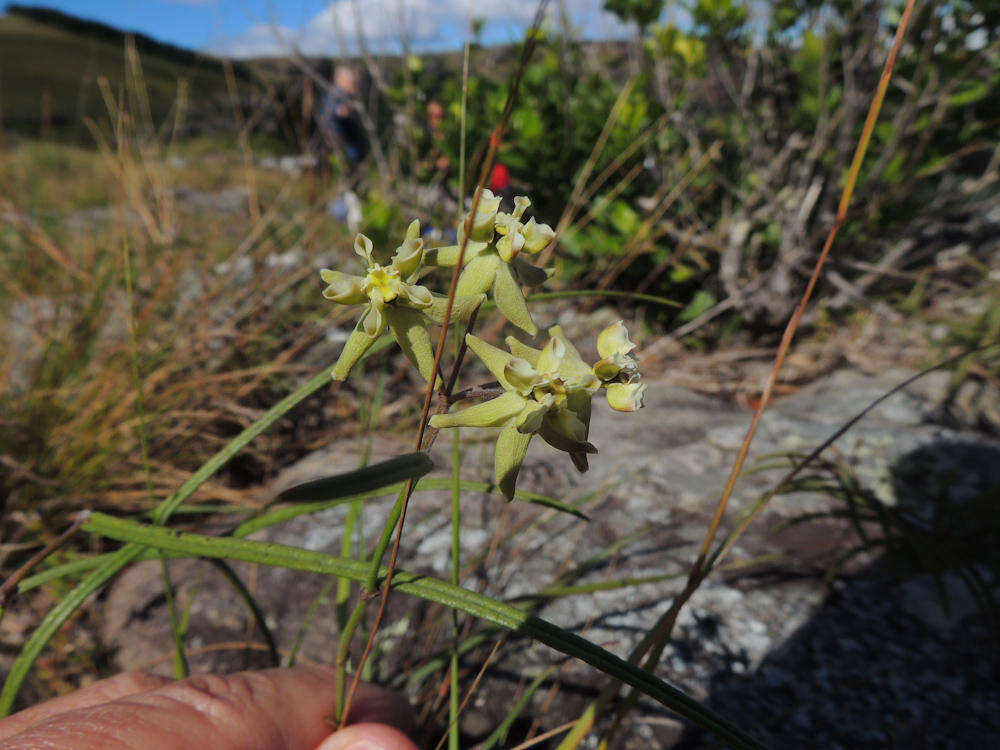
(273,709)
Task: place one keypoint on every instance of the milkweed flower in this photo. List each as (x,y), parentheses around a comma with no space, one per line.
(546,392)
(494,257)
(618,370)
(392,301)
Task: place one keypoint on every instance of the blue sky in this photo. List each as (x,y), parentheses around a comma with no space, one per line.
(245,28)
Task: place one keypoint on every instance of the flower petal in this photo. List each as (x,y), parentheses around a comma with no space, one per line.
(363,247)
(512,446)
(614,340)
(555,437)
(510,299)
(478,275)
(357,344)
(572,369)
(523,351)
(492,413)
(521,202)
(530,418)
(447,256)
(536,236)
(482,224)
(505,248)
(416,295)
(461,308)
(442,256)
(494,358)
(343,288)
(410,254)
(374,321)
(413,230)
(520,374)
(552,355)
(528,274)
(607,369)
(410,331)
(626,396)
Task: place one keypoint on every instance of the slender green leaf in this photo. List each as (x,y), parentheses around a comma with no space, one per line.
(358,481)
(429,589)
(112,564)
(571,293)
(280,515)
(500,733)
(258,615)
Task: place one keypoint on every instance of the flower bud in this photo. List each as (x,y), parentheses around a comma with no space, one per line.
(626,396)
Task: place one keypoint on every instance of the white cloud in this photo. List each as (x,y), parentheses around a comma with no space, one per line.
(423,24)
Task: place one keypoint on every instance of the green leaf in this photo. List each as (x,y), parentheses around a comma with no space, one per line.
(681,273)
(570,293)
(970,92)
(624,218)
(410,331)
(512,446)
(281,515)
(110,565)
(510,300)
(701,302)
(429,589)
(500,733)
(365,479)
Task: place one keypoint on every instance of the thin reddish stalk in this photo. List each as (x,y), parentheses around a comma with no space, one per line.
(495,139)
(659,634)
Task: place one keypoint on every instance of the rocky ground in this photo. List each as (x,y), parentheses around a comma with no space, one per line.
(800,656)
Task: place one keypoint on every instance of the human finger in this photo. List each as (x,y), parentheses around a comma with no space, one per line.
(102,691)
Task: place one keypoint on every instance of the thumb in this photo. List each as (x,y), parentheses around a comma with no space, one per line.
(274,709)
(367,736)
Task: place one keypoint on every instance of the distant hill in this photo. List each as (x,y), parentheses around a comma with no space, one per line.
(50,63)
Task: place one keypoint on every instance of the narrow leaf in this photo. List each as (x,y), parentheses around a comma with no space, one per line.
(365,479)
(433,590)
(113,563)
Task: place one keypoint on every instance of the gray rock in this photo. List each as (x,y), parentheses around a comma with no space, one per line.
(771,642)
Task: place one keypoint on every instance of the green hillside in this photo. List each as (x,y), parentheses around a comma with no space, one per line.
(50,65)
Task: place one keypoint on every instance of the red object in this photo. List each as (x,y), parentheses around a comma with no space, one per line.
(499,177)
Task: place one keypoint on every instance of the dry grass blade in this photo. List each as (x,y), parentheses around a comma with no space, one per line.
(656,639)
(793,323)
(9,586)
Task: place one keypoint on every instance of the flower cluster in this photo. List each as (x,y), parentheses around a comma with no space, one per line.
(545,392)
(618,371)
(494,257)
(548,392)
(392,301)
